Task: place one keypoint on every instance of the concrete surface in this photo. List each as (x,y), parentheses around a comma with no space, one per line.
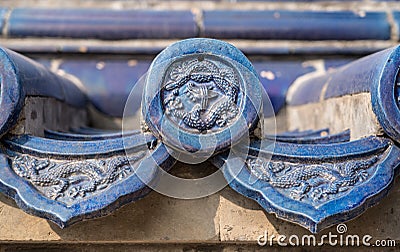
(41,113)
(352,112)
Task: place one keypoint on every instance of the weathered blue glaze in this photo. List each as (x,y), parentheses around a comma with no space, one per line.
(312,91)
(97,77)
(385,95)
(314,137)
(36,80)
(308,177)
(86,137)
(12,94)
(364,146)
(314,207)
(296,25)
(206,46)
(276,78)
(44,147)
(21,77)
(375,74)
(275,49)
(101,24)
(3,12)
(356,77)
(201,54)
(309,92)
(129,24)
(303,133)
(124,74)
(65,209)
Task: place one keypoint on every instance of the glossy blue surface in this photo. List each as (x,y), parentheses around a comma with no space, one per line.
(313,178)
(128,24)
(65,210)
(3,12)
(44,147)
(108,82)
(313,137)
(96,75)
(308,210)
(356,77)
(101,24)
(218,56)
(304,25)
(203,45)
(274,49)
(385,94)
(277,76)
(21,77)
(303,133)
(36,80)
(376,74)
(75,136)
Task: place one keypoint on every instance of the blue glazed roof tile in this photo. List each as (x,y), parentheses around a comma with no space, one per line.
(226,24)
(101,24)
(396,16)
(3,12)
(296,25)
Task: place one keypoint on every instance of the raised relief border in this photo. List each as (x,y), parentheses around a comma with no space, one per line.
(202,94)
(314,185)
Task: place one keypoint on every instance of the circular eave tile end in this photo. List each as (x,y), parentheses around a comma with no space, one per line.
(201,103)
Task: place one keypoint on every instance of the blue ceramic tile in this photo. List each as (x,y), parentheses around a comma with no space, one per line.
(314,49)
(172,112)
(36,80)
(310,179)
(23,77)
(306,25)
(376,74)
(101,24)
(396,15)
(310,90)
(63,205)
(331,64)
(358,76)
(277,76)
(274,183)
(109,82)
(275,49)
(315,137)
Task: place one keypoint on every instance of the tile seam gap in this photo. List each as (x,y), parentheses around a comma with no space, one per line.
(199,20)
(394,28)
(6,23)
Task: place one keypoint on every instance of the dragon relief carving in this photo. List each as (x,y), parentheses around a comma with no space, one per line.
(201,94)
(315,182)
(71,180)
